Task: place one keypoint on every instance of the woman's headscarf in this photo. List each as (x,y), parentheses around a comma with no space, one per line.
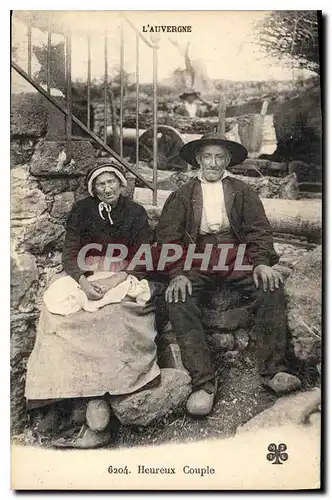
(98,169)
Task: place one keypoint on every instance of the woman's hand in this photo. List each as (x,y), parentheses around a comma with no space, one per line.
(92,290)
(270,277)
(178,286)
(107,284)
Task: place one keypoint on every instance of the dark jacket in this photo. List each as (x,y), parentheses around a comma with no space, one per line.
(181,217)
(84,226)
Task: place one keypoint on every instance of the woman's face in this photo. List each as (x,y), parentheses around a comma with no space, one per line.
(107,188)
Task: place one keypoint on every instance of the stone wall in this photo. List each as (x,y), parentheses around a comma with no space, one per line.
(43,190)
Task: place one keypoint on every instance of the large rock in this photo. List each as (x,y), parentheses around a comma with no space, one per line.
(56,186)
(22,335)
(21,151)
(295,408)
(298,126)
(23,273)
(42,235)
(31,300)
(221,341)
(50,159)
(27,201)
(273,187)
(303,290)
(146,406)
(225,299)
(228,320)
(28,115)
(315,419)
(283,382)
(62,205)
(226,310)
(241,339)
(175,181)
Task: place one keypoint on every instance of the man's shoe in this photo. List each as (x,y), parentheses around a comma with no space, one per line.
(200,402)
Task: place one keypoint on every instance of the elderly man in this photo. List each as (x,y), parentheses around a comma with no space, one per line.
(216,210)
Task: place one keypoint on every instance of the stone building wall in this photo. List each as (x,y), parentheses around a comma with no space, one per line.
(43,190)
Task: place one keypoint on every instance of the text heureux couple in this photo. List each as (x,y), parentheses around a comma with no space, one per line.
(143,469)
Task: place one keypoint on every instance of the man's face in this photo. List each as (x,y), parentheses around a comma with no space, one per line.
(213,160)
(191,98)
(108,187)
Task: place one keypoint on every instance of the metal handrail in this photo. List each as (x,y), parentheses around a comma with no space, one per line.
(67,110)
(78,122)
(142,37)
(154,46)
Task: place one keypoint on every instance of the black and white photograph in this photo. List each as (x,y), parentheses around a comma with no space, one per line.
(166,193)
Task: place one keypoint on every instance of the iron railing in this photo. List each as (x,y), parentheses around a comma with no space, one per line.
(67,110)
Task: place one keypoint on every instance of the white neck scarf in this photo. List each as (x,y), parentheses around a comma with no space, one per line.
(102,205)
(214,216)
(191,108)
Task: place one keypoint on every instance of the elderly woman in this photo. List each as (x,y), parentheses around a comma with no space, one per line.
(95,335)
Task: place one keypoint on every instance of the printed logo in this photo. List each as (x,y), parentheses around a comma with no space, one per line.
(277,453)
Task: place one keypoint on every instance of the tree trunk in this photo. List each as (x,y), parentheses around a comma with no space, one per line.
(296,217)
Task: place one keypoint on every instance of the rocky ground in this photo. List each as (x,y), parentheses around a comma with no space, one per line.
(240,398)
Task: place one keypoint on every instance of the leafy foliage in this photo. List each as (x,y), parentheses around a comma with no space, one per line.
(57,65)
(292,36)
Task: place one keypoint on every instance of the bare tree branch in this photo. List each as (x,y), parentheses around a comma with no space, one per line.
(291,34)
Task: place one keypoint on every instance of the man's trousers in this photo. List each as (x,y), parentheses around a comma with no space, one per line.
(270,326)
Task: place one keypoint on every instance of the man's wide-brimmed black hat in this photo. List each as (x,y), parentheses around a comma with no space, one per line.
(189,92)
(238,152)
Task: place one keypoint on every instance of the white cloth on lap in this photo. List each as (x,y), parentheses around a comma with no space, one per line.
(87,354)
(65,296)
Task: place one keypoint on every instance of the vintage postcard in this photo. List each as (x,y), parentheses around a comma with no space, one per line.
(166,258)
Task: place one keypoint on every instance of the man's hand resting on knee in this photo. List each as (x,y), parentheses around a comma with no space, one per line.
(178,288)
(269,277)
